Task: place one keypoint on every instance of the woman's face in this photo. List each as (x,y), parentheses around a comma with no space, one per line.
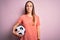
(29,7)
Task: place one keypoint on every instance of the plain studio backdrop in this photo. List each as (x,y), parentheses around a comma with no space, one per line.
(47,10)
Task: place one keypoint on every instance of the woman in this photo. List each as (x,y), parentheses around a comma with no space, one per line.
(31,23)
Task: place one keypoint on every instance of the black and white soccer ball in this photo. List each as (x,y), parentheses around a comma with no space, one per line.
(20,30)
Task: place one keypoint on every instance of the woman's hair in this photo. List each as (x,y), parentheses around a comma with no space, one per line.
(33,11)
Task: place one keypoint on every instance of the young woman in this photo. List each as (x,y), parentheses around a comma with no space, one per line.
(31,23)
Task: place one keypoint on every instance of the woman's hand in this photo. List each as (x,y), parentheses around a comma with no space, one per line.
(19,35)
(38,39)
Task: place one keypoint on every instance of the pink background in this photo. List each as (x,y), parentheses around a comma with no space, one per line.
(47,10)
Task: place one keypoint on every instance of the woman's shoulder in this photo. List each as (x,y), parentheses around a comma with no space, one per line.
(36,16)
(22,16)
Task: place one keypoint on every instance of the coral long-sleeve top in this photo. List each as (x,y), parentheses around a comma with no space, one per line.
(30,29)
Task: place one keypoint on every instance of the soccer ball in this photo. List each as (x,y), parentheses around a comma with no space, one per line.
(20,30)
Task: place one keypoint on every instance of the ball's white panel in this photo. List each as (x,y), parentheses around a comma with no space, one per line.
(19,30)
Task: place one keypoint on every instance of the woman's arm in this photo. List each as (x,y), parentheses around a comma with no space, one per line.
(14,27)
(38,27)
(38,32)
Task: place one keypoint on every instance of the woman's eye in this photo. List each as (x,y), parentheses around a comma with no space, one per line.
(30,5)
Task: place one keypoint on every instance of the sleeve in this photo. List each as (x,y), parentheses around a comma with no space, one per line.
(19,20)
(38,22)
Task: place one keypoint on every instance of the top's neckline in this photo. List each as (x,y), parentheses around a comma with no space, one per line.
(28,16)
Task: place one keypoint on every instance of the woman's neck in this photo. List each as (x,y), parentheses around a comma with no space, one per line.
(29,14)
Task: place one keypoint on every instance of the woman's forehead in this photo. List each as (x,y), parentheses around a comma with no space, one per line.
(29,3)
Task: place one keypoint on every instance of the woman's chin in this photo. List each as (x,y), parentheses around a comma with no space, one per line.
(29,11)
